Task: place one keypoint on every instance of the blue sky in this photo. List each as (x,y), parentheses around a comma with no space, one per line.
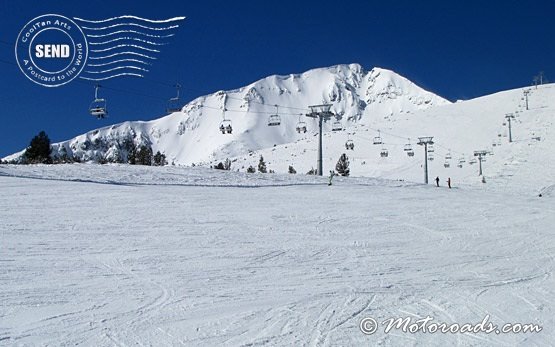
(457,49)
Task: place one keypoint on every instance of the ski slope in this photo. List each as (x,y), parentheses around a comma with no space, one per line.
(111,255)
(527,164)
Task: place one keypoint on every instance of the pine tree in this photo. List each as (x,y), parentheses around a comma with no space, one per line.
(39,150)
(144,155)
(251,169)
(292,170)
(262,165)
(160,159)
(342,166)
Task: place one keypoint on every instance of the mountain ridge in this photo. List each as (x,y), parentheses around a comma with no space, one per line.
(192,136)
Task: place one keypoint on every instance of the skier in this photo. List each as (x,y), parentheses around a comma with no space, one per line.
(437,181)
(332,173)
(449,182)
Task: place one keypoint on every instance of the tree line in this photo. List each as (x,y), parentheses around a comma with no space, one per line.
(39,151)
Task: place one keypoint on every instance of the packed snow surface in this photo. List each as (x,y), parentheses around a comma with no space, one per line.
(167,256)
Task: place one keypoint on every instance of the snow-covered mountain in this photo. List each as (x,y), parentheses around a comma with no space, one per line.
(527,164)
(192,136)
(366,102)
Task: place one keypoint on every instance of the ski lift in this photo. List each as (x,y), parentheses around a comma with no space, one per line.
(225,125)
(274,119)
(408,147)
(499,134)
(98,106)
(460,165)
(462,160)
(349,145)
(446,164)
(430,148)
(384,153)
(336,126)
(174,104)
(378,139)
(430,157)
(448,155)
(301,126)
(472,161)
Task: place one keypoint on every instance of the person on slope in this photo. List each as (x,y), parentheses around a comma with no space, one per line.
(332,173)
(437,181)
(449,182)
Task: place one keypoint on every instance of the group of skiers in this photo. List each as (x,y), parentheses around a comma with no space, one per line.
(448,181)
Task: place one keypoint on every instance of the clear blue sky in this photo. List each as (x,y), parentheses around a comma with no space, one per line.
(457,49)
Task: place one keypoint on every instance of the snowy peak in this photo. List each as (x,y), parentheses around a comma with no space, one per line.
(193,136)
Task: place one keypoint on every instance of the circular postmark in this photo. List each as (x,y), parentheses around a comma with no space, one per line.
(51,50)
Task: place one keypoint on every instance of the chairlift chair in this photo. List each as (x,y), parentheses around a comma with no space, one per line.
(378,139)
(384,153)
(430,148)
(274,119)
(225,125)
(408,149)
(350,145)
(446,164)
(98,107)
(301,126)
(336,126)
(174,104)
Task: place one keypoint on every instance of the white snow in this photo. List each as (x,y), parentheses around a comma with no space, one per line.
(193,136)
(527,164)
(165,256)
